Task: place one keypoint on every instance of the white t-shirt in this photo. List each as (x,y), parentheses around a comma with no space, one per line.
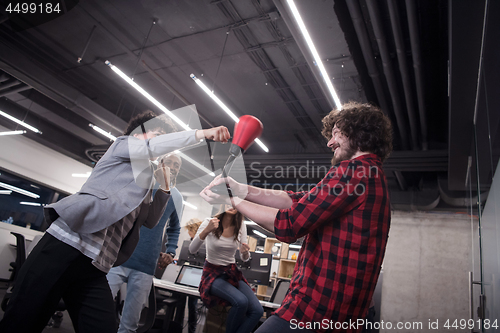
(220,251)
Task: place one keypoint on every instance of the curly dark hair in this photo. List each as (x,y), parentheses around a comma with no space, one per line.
(237,220)
(366,126)
(151,122)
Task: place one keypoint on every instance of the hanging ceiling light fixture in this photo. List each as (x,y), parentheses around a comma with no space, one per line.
(258,233)
(22,123)
(161,107)
(12,132)
(31,203)
(103,132)
(147,95)
(223,106)
(193,162)
(81,175)
(19,190)
(189,205)
(314,52)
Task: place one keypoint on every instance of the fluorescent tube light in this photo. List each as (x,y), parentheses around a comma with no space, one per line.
(258,233)
(224,107)
(250,223)
(103,132)
(262,145)
(13,132)
(215,98)
(314,52)
(190,205)
(81,175)
(5,192)
(147,95)
(193,162)
(19,190)
(30,203)
(22,123)
(294,246)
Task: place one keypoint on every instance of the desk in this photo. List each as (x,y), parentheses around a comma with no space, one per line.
(167,285)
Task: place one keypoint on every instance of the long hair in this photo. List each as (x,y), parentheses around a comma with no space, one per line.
(237,221)
(151,121)
(366,126)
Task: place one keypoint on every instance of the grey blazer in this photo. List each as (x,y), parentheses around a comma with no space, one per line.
(118,184)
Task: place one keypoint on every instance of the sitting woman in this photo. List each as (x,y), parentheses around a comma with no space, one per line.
(222,282)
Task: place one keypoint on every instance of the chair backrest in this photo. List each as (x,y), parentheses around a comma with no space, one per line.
(280,291)
(20,255)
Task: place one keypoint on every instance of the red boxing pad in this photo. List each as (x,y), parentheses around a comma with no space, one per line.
(246,131)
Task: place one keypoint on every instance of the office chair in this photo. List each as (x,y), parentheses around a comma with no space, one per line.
(16,266)
(279,292)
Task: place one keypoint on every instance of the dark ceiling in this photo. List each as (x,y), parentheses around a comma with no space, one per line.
(396,54)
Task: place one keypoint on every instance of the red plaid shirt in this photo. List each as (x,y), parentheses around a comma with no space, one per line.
(345,220)
(212,272)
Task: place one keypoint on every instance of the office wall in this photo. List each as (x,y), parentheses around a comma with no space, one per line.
(40,163)
(426,269)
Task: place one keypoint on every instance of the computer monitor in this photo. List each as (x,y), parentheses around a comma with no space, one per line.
(197,259)
(257,269)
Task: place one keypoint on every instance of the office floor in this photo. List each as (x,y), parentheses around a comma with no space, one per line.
(67,327)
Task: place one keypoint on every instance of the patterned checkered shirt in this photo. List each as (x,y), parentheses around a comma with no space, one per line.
(345,220)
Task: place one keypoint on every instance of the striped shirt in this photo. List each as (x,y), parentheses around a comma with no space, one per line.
(102,246)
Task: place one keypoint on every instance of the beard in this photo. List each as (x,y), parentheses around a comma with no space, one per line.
(173,179)
(346,154)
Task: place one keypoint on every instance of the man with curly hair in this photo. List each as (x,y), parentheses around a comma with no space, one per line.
(97,228)
(344,220)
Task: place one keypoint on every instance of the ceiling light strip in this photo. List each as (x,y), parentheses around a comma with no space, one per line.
(22,123)
(30,203)
(193,162)
(223,106)
(19,190)
(12,132)
(314,52)
(103,132)
(258,233)
(190,205)
(5,192)
(215,98)
(81,175)
(147,95)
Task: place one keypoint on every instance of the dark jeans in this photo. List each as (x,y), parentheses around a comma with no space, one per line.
(275,324)
(192,316)
(245,310)
(55,270)
(370,317)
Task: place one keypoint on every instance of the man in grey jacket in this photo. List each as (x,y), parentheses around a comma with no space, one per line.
(97,228)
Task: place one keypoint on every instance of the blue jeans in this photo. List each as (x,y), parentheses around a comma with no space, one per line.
(245,307)
(275,324)
(138,288)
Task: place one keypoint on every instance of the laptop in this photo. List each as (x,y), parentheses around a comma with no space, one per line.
(189,276)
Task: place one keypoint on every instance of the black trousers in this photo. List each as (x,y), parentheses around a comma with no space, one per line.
(55,270)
